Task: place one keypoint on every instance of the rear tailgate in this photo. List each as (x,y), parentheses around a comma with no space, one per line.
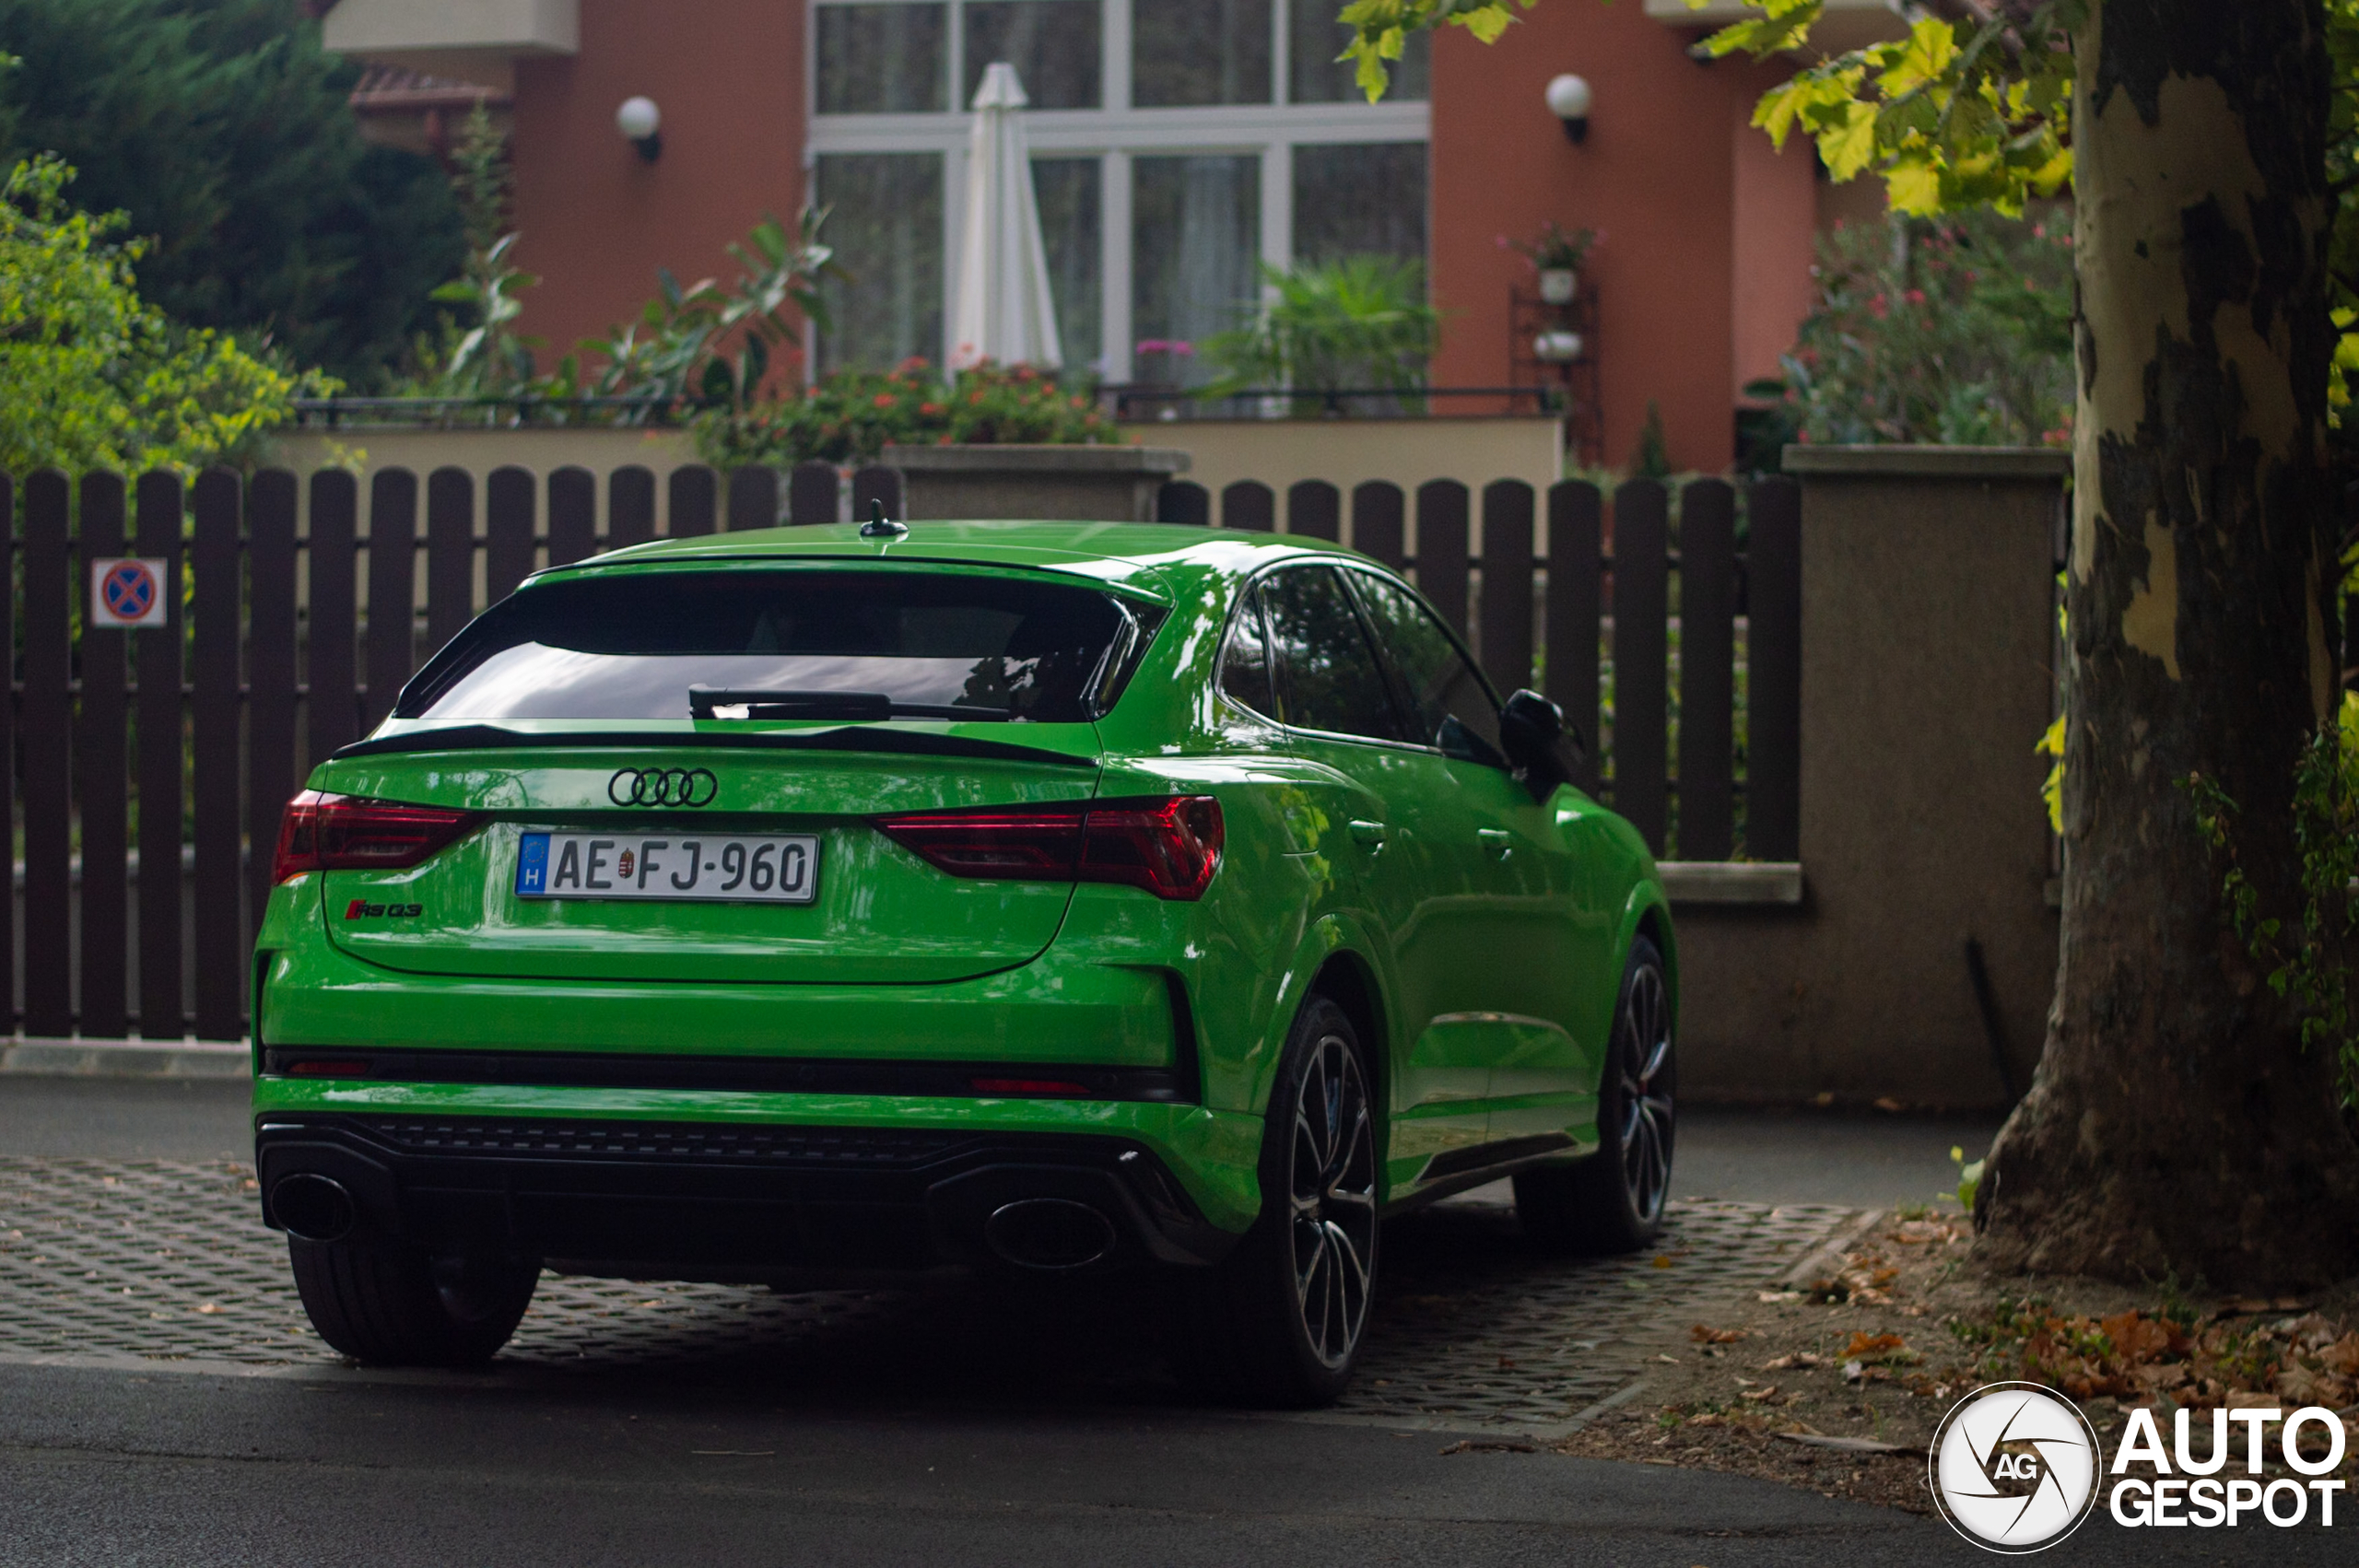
(876,912)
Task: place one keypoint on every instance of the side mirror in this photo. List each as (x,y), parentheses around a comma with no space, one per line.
(1544,748)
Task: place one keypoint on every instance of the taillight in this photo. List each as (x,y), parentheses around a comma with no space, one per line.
(1170,846)
(341,833)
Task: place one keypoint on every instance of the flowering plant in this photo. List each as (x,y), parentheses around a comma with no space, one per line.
(1556,250)
(851,415)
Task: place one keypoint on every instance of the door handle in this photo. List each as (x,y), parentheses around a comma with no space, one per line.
(1497,840)
(1368,834)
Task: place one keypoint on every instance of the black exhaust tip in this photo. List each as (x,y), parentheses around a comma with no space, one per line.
(312,1206)
(1052,1234)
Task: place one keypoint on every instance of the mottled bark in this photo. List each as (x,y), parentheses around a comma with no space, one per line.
(2175,1125)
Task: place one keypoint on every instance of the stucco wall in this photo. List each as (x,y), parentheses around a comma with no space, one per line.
(1928,629)
(596,218)
(1657,176)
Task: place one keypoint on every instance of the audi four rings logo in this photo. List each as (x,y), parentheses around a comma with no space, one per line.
(663,787)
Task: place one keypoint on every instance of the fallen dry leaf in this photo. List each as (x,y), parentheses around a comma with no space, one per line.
(1797,1362)
(1704,1336)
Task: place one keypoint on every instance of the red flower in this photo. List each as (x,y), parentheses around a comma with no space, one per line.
(929,408)
(1916,297)
(883,400)
(1879,308)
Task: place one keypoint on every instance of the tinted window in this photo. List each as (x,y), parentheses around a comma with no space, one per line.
(1451,705)
(1328,677)
(1245,665)
(932,644)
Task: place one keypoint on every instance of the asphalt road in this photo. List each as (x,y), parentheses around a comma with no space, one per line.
(108,1465)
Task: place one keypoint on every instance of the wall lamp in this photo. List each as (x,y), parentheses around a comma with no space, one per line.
(1569,101)
(642,124)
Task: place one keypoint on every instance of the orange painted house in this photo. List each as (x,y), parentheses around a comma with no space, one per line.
(1178,145)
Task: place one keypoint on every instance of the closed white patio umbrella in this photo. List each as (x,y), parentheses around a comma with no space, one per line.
(1005,312)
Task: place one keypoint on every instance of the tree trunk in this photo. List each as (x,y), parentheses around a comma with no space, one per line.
(2177,1126)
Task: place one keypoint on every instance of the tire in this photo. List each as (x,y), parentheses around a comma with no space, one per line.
(1278,1324)
(389,1305)
(1613,1200)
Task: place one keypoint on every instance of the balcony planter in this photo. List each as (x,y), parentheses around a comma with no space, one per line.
(1109,483)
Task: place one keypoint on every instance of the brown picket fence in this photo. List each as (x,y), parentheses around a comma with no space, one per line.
(291,629)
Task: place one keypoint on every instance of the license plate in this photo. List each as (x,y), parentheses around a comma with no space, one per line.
(779,867)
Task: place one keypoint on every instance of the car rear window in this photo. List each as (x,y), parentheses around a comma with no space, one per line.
(788,644)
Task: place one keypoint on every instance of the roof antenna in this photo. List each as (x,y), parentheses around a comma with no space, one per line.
(879,526)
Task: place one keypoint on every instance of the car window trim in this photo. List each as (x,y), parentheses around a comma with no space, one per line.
(1397,680)
(1247,595)
(1367,636)
(1251,587)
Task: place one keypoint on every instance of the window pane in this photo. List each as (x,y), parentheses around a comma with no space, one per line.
(1196,240)
(1052,43)
(1329,678)
(632,648)
(1245,666)
(1451,705)
(1068,191)
(1189,51)
(1313,76)
(883,59)
(1362,200)
(886,227)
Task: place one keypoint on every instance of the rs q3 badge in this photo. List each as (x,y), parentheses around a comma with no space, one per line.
(663,787)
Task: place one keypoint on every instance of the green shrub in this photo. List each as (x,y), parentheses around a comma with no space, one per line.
(95,376)
(1361,323)
(1957,330)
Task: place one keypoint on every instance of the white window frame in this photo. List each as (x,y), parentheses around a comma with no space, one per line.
(1114,134)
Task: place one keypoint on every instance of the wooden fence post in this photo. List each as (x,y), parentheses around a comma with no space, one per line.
(1441,548)
(332,712)
(695,491)
(270,673)
(47,715)
(157,717)
(753,499)
(630,506)
(1575,602)
(221,945)
(450,557)
(1378,522)
(1505,618)
(876,485)
(1641,612)
(392,565)
(1707,670)
(1184,501)
(811,493)
(573,516)
(100,784)
(1315,510)
(509,509)
(7,743)
(1249,503)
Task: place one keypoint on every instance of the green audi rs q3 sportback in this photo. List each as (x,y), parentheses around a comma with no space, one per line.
(835,903)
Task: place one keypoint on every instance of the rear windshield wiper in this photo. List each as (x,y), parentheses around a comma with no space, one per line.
(858,707)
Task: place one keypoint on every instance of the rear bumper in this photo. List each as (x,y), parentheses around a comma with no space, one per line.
(727,1198)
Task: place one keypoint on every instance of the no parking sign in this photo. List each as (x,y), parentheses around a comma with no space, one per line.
(128,590)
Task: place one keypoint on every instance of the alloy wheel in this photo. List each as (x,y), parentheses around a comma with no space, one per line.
(1646,1093)
(1333,1200)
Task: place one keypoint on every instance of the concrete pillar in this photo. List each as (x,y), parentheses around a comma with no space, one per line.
(1928,635)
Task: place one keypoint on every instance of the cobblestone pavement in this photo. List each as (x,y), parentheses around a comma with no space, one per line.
(148,1262)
